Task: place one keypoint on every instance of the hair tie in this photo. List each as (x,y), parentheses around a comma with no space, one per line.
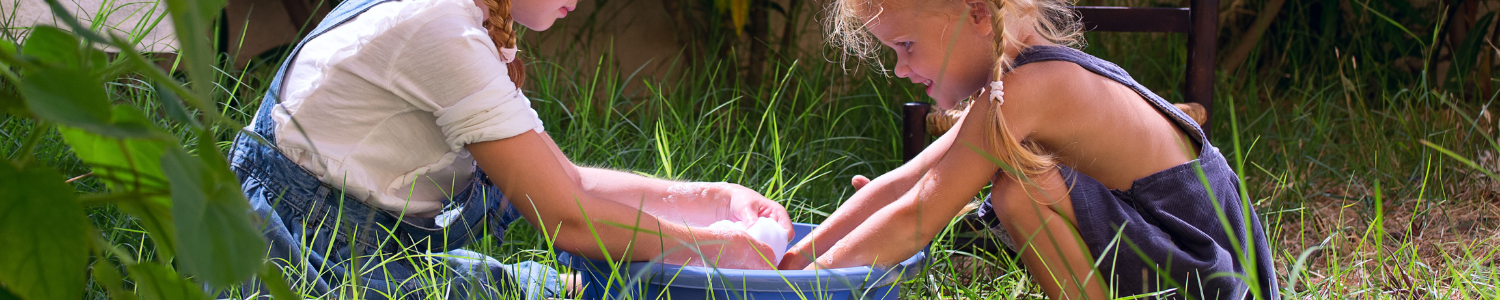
(997,92)
(508,54)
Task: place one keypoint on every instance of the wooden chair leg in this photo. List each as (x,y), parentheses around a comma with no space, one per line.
(913,129)
(1201,39)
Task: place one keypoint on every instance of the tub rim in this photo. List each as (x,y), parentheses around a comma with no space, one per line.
(678,276)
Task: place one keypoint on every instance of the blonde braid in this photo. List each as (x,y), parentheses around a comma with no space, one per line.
(502,31)
(1022,156)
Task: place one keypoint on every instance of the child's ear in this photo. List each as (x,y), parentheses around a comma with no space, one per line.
(977,16)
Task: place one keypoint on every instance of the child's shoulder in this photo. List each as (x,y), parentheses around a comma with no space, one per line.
(1051,79)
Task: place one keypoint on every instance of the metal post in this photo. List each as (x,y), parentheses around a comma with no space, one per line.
(913,129)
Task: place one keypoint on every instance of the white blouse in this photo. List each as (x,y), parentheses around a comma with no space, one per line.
(383,105)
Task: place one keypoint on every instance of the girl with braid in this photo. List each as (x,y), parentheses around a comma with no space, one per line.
(1103,188)
(398,133)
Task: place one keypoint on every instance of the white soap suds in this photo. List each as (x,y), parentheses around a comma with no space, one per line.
(683,203)
(765,230)
(688,190)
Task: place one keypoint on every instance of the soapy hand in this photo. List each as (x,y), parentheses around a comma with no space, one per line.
(724,246)
(765,230)
(748,207)
(726,217)
(702,203)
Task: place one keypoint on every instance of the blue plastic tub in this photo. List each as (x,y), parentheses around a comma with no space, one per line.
(650,281)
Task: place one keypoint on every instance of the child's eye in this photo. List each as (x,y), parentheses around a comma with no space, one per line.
(906,45)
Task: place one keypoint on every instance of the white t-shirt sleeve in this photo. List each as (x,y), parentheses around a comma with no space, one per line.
(450,68)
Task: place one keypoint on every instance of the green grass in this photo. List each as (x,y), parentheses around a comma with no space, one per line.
(1328,140)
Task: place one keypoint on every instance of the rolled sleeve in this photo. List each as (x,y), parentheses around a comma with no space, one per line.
(450,68)
(494,113)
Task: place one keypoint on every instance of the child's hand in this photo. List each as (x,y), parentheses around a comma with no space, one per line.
(859,181)
(747,206)
(802,254)
(796,258)
(723,248)
(703,203)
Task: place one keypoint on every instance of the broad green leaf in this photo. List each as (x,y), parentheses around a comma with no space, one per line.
(75,98)
(11,103)
(173,105)
(51,45)
(155,215)
(7,47)
(124,164)
(192,20)
(276,282)
(68,96)
(131,165)
(96,59)
(131,123)
(7,295)
(216,242)
(44,235)
(107,275)
(153,282)
(209,9)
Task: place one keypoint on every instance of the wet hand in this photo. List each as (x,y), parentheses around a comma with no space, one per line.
(801,255)
(747,206)
(796,258)
(723,248)
(859,182)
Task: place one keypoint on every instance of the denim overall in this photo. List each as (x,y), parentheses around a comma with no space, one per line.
(336,246)
(1165,231)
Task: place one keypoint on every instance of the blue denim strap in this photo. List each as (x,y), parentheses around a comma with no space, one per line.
(1112,71)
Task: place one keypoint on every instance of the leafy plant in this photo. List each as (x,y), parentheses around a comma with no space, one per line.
(179,187)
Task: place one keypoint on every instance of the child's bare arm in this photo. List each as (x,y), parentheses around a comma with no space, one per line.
(872,197)
(691,203)
(900,229)
(587,225)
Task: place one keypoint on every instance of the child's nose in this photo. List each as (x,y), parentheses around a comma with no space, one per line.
(902,69)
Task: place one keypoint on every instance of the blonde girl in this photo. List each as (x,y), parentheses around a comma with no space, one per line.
(398,133)
(1102,187)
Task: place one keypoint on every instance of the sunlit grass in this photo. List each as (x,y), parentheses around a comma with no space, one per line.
(1328,144)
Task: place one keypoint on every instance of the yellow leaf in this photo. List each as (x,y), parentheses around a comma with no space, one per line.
(739,11)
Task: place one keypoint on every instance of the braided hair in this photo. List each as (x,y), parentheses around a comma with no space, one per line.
(1024,157)
(502,31)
